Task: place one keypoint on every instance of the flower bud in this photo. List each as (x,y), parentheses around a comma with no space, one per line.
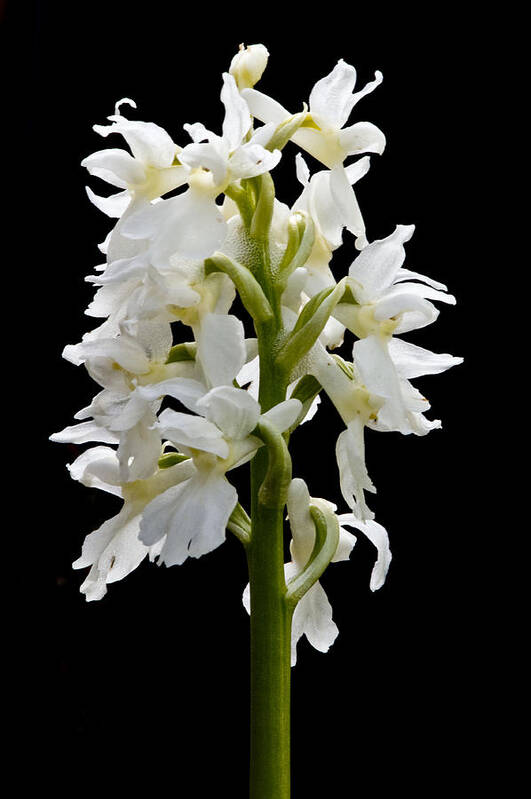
(248,65)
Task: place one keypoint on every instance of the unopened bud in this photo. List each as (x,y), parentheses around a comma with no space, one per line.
(248,65)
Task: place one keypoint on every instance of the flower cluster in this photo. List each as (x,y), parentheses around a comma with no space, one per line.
(196,222)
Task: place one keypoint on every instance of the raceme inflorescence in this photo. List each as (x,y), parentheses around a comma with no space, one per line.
(197,223)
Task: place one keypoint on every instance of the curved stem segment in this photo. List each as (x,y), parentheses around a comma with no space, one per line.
(326,541)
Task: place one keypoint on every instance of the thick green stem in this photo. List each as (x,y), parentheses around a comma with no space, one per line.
(270,470)
(270,652)
(270,613)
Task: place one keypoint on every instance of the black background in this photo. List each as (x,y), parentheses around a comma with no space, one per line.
(152,681)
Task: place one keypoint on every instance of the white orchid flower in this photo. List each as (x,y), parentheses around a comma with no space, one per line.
(330,214)
(144,174)
(385,368)
(135,378)
(193,516)
(114,550)
(390,303)
(330,105)
(324,136)
(192,224)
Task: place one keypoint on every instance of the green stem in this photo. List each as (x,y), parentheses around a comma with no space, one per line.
(270,623)
(270,652)
(270,613)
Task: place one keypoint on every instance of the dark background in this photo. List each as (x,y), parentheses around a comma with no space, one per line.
(152,681)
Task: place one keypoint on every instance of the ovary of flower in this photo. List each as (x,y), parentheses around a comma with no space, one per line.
(146,174)
(114,550)
(331,101)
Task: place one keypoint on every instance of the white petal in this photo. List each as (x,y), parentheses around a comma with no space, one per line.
(252,160)
(83,433)
(98,467)
(237,118)
(301,523)
(95,543)
(318,201)
(263,134)
(155,338)
(196,230)
(358,169)
(116,167)
(207,155)
(368,88)
(125,415)
(330,98)
(313,618)
(146,222)
(263,107)
(122,101)
(377,535)
(412,310)
(378,373)
(114,206)
(363,137)
(192,515)
(333,334)
(231,409)
(412,361)
(149,143)
(122,349)
(221,348)
(113,550)
(197,132)
(139,451)
(345,199)
(353,475)
(302,170)
(184,389)
(246,598)
(345,546)
(283,415)
(407,274)
(250,373)
(376,266)
(193,431)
